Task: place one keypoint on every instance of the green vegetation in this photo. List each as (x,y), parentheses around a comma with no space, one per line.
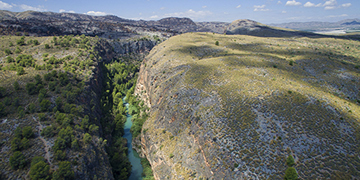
(17,160)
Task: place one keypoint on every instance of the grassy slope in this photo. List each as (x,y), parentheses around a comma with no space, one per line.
(269,105)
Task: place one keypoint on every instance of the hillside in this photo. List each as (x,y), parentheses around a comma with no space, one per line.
(235,107)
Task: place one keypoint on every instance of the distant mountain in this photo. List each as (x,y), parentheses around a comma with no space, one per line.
(51,23)
(318,26)
(249,27)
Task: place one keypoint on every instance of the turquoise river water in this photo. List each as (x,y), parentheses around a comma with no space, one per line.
(134,158)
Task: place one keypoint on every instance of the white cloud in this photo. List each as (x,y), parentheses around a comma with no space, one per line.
(309,4)
(279,2)
(204,7)
(334,16)
(329,7)
(293,3)
(162,8)
(283,12)
(260,8)
(330,3)
(64,11)
(346,5)
(154,17)
(190,13)
(27,8)
(239,6)
(96,13)
(4,5)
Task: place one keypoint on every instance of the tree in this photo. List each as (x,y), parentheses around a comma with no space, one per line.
(16,144)
(40,171)
(291,174)
(17,160)
(27,132)
(217,43)
(64,172)
(2,92)
(87,138)
(60,155)
(16,85)
(9,59)
(21,41)
(25,143)
(47,46)
(290,161)
(45,105)
(20,70)
(7,52)
(36,42)
(2,109)
(36,159)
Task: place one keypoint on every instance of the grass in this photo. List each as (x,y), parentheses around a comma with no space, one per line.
(264,88)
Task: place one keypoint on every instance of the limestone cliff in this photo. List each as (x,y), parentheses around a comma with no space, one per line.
(237,108)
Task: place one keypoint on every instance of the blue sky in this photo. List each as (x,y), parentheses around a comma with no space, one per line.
(264,11)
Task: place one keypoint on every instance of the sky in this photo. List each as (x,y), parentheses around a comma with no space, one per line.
(264,11)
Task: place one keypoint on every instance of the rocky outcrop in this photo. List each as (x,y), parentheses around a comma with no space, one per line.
(237,110)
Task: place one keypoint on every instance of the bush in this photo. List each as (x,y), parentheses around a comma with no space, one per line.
(17,160)
(9,59)
(27,132)
(217,43)
(20,70)
(18,132)
(16,144)
(21,41)
(31,108)
(38,79)
(291,174)
(48,132)
(40,171)
(290,161)
(36,160)
(25,143)
(47,46)
(16,102)
(31,88)
(2,110)
(64,172)
(42,116)
(60,155)
(2,92)
(17,50)
(36,42)
(45,105)
(87,138)
(16,85)
(7,52)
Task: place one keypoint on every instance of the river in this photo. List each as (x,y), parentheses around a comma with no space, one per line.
(134,158)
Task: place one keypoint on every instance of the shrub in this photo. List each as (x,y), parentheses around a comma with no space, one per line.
(17,160)
(36,42)
(75,144)
(17,50)
(45,105)
(2,109)
(290,161)
(16,144)
(20,70)
(21,112)
(9,59)
(25,143)
(18,132)
(21,41)
(16,85)
(60,155)
(40,171)
(27,132)
(87,138)
(36,160)
(16,102)
(7,52)
(38,79)
(47,46)
(2,92)
(64,172)
(291,174)
(217,43)
(48,132)
(31,108)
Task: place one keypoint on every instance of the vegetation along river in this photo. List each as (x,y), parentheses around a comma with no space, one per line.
(134,159)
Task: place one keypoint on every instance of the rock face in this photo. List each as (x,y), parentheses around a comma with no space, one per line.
(249,27)
(237,110)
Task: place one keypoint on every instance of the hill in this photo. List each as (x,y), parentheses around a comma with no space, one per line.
(235,107)
(249,27)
